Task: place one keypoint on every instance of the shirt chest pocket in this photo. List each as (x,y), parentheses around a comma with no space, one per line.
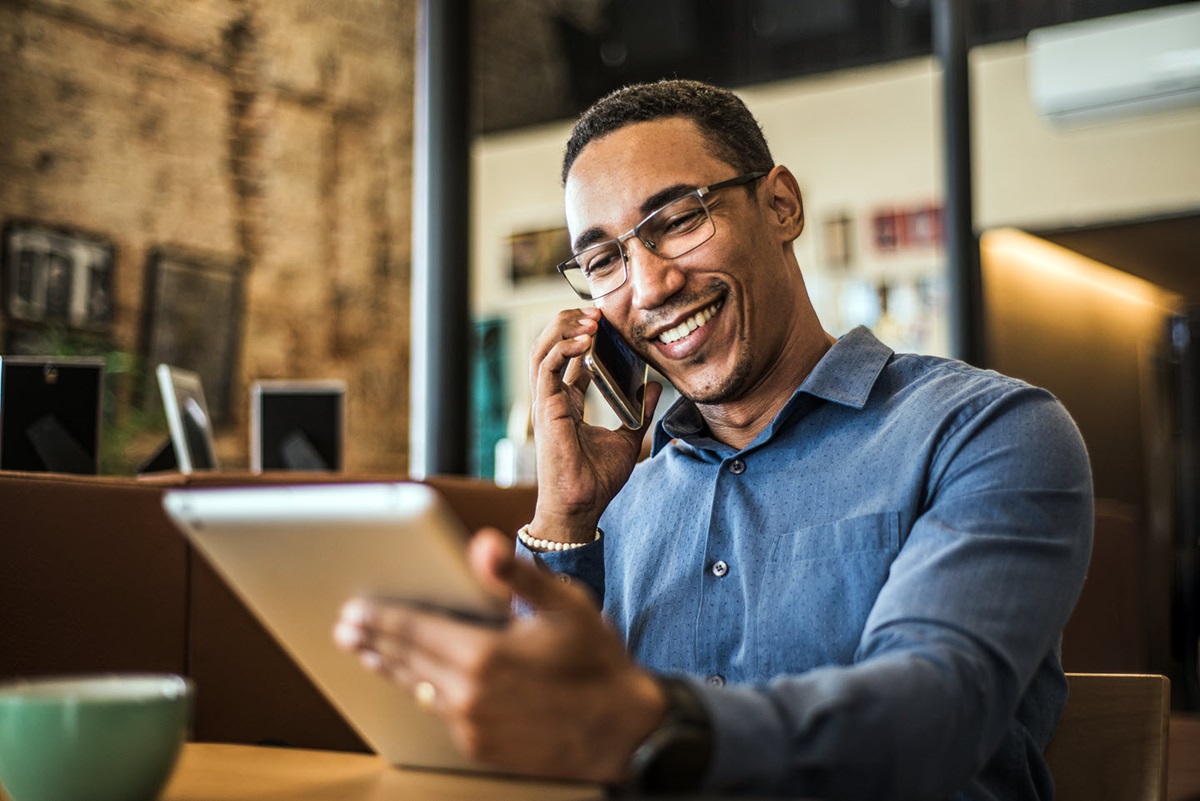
(818,587)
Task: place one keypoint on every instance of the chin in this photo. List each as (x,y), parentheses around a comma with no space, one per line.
(721,389)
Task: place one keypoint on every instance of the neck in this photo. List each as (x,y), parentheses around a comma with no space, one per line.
(736,423)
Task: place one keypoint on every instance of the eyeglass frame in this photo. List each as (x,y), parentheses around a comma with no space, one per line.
(700,194)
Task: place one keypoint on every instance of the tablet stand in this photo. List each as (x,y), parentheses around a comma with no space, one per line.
(161,461)
(59,451)
(300,454)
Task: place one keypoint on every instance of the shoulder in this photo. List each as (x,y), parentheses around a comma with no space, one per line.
(950,380)
(968,411)
(958,393)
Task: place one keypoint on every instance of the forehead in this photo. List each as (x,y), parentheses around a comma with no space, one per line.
(614,174)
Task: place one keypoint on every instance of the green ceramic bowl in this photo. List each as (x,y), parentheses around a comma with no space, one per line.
(91,738)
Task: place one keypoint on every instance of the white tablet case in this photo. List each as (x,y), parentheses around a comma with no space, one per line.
(295,554)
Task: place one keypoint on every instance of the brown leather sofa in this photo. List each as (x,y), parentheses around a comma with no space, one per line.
(94,578)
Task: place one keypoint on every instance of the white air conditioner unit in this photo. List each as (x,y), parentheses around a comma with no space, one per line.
(1117,66)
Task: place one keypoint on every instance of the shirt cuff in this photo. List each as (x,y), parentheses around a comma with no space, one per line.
(584,564)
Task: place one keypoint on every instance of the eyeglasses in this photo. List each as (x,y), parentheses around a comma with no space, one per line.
(672,230)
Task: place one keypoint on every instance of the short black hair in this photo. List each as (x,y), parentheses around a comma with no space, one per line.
(730,129)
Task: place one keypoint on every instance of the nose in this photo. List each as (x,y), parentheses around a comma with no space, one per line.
(653,278)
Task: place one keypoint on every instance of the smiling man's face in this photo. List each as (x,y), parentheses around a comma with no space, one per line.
(733,296)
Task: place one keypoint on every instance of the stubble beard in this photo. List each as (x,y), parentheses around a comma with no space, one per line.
(731,386)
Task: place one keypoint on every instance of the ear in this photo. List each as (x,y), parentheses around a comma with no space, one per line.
(785,202)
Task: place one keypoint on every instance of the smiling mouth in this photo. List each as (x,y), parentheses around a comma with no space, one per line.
(697,320)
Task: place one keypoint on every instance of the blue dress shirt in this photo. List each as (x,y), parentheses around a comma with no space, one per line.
(870,595)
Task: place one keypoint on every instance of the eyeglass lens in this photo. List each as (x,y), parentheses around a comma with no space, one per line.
(675,229)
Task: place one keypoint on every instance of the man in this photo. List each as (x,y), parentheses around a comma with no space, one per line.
(843,573)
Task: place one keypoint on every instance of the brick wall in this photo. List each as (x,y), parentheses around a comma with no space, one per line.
(274,134)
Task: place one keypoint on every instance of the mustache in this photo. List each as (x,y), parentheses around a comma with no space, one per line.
(680,302)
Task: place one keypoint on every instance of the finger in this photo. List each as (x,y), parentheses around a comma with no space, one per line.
(350,634)
(400,673)
(348,631)
(443,684)
(577,376)
(549,379)
(402,633)
(540,588)
(488,554)
(380,656)
(566,325)
(653,391)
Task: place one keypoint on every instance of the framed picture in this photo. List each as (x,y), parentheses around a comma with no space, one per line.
(188,420)
(535,255)
(57,277)
(193,320)
(886,231)
(839,240)
(50,414)
(923,227)
(297,425)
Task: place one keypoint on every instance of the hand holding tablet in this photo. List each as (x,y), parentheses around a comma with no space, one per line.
(296,554)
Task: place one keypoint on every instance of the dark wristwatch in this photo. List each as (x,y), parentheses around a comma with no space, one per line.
(675,757)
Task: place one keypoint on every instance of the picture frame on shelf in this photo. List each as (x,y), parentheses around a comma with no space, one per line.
(298,424)
(192,319)
(51,414)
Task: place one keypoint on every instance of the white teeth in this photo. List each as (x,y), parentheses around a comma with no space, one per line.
(689,325)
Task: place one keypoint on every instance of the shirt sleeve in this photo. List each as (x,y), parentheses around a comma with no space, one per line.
(584,564)
(972,610)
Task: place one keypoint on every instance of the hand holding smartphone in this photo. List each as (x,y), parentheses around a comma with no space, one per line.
(619,374)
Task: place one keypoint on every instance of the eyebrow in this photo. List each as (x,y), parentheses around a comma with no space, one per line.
(660,198)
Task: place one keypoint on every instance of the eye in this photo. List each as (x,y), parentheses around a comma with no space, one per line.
(599,262)
(681,222)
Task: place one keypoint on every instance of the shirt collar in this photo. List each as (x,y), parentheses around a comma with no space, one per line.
(845,375)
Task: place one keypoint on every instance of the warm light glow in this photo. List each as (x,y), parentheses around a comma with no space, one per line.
(1062,272)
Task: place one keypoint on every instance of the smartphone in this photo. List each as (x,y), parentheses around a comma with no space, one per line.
(619,374)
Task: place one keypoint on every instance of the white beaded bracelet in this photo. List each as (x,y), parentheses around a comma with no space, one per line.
(538,544)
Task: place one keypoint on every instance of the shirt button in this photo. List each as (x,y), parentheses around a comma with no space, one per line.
(720,568)
(737,467)
(715,680)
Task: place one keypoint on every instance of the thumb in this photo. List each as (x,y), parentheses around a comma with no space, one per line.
(652,392)
(492,557)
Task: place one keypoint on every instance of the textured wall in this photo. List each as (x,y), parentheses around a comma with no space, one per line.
(275,134)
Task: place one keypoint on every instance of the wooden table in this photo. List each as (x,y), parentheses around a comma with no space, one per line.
(213,772)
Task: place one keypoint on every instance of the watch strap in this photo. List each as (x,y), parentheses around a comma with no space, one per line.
(674,758)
